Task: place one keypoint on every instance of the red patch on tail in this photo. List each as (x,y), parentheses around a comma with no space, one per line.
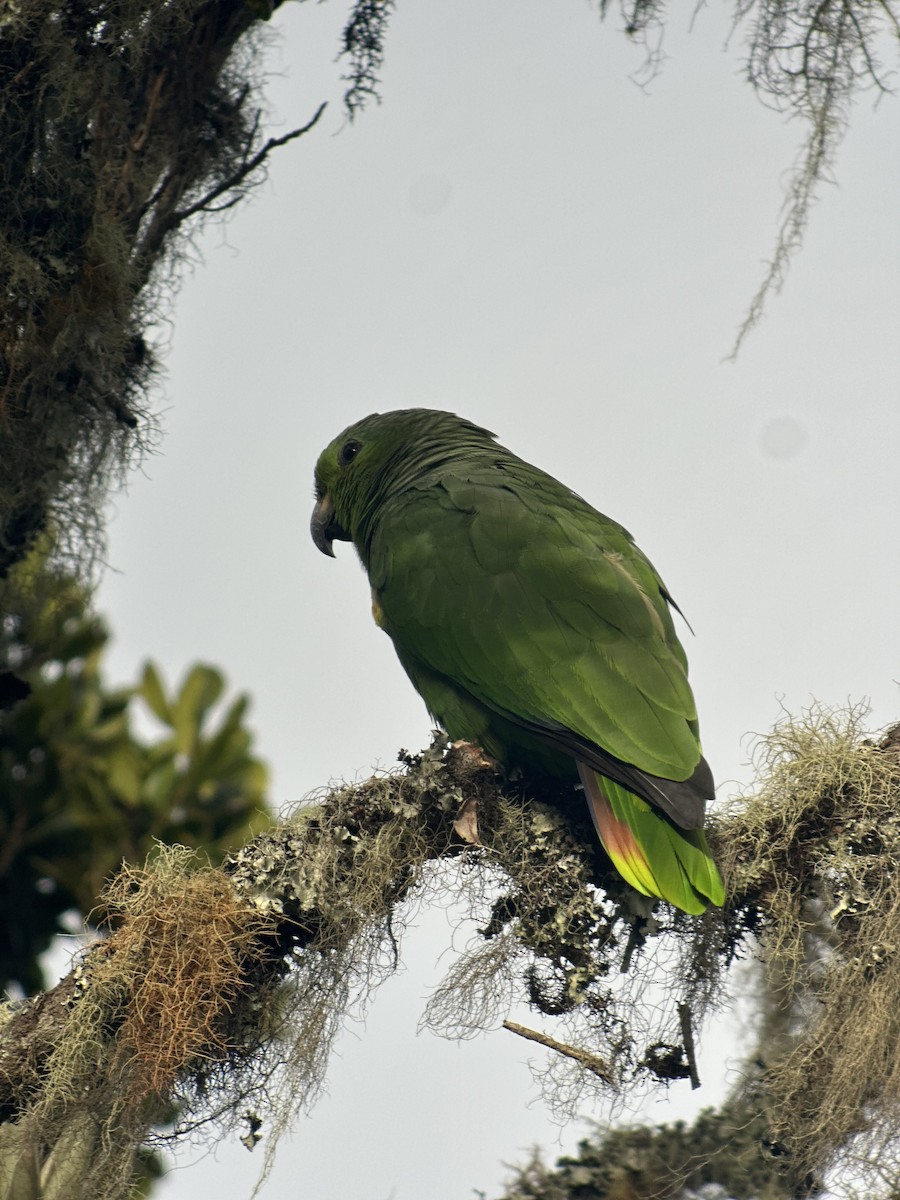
(616,835)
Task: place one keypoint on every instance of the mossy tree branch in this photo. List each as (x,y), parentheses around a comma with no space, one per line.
(121,126)
(222,990)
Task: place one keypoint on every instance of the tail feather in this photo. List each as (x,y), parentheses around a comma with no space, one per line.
(650,852)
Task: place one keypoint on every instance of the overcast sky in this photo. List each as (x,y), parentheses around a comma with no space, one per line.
(523,235)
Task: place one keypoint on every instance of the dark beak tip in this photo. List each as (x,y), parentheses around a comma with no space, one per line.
(320,538)
(323,527)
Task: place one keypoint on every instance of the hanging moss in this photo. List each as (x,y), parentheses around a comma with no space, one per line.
(815,853)
(307,919)
(120,125)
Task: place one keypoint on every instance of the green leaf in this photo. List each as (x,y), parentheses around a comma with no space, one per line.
(199,692)
(125,772)
(151,691)
(159,784)
(80,792)
(111,730)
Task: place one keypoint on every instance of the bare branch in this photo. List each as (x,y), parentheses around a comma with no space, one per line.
(246,169)
(687,1039)
(584,1058)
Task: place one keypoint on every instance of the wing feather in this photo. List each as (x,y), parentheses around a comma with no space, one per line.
(544,611)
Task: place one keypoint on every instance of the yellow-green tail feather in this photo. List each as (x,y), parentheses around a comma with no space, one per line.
(649,851)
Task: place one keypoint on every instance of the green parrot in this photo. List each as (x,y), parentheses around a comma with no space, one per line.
(531,625)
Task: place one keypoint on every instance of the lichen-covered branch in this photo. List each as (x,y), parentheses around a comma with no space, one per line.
(221,990)
(719,1154)
(812,861)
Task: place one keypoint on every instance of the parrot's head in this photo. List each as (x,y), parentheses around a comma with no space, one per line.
(379,457)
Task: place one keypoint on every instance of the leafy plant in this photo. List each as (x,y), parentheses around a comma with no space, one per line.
(81,789)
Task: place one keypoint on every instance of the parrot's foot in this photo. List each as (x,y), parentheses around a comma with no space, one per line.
(469,756)
(467,761)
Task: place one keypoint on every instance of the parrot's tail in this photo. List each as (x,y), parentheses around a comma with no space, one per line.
(649,851)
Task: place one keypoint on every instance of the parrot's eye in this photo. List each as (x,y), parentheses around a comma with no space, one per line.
(349,451)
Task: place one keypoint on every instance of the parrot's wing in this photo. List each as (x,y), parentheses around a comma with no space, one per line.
(529,600)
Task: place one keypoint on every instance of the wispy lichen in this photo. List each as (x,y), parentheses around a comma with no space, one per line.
(121,125)
(236,982)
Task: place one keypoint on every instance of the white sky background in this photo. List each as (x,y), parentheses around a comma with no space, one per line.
(522,235)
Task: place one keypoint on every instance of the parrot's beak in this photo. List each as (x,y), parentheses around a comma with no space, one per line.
(324,528)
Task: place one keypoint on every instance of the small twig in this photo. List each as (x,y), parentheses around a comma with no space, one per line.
(143,131)
(687,1037)
(590,1062)
(244,170)
(635,940)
